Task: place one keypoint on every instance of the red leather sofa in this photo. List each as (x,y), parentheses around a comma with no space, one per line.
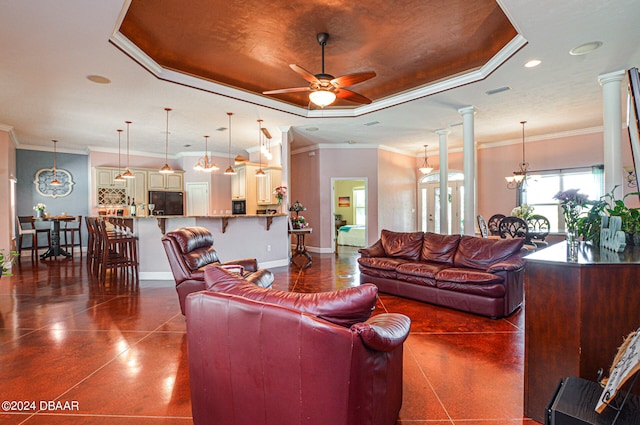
(190,250)
(476,275)
(268,357)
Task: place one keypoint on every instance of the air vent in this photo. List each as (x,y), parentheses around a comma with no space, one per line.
(221,128)
(369,124)
(498,90)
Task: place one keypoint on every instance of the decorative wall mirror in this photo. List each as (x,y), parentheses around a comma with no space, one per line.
(43,180)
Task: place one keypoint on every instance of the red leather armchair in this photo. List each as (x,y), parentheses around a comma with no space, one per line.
(269,357)
(190,250)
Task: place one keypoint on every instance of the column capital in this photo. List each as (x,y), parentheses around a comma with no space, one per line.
(611,77)
(467,110)
(443,132)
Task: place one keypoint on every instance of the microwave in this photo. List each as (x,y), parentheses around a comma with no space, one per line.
(239,207)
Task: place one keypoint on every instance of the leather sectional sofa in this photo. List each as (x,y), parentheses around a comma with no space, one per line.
(264,357)
(468,273)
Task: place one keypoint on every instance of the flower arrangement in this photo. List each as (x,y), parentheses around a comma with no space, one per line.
(6,258)
(299,222)
(572,202)
(523,211)
(280,192)
(40,207)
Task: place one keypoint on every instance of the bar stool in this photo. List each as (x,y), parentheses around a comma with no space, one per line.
(27,226)
(119,250)
(69,231)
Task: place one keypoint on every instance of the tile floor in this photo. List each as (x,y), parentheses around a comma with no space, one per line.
(116,353)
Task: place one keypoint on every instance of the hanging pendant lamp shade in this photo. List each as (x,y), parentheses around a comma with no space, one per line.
(119,177)
(520,174)
(128,174)
(260,172)
(166,169)
(425,168)
(230,171)
(55,181)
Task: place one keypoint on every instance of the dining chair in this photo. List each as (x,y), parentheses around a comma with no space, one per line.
(26,226)
(482,224)
(515,227)
(539,230)
(494,224)
(69,231)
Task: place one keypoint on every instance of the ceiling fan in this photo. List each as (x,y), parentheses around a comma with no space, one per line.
(325,88)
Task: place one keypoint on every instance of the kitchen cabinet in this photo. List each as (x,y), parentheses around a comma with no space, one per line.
(239,184)
(137,189)
(266,185)
(160,181)
(105,176)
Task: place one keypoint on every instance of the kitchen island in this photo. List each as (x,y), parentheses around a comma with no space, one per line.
(260,236)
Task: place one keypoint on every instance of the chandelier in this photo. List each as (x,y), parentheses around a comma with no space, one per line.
(425,168)
(520,174)
(205,163)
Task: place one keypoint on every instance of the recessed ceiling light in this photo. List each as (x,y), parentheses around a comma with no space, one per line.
(98,79)
(532,63)
(585,48)
(311,128)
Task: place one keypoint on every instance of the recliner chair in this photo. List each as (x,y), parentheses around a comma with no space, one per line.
(190,250)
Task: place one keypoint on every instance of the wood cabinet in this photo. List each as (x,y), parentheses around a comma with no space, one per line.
(171,181)
(266,184)
(239,183)
(105,177)
(577,315)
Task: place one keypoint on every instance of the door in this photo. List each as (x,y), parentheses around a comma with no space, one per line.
(429,202)
(349,209)
(197,199)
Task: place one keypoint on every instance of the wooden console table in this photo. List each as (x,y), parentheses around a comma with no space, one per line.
(577,314)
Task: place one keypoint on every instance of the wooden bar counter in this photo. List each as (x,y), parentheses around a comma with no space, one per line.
(576,316)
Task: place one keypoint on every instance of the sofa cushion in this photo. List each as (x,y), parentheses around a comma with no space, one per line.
(463,275)
(420,269)
(480,253)
(381,263)
(491,290)
(344,307)
(439,248)
(402,244)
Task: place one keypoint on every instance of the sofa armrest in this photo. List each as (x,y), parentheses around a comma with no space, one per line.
(384,332)
(508,264)
(249,264)
(375,250)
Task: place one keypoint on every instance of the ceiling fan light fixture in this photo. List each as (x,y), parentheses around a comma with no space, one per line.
(322,98)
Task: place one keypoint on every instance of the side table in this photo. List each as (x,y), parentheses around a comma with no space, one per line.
(301,248)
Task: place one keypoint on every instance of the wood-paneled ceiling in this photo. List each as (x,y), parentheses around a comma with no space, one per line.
(249,44)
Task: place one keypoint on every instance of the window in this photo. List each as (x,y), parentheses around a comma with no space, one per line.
(359,207)
(539,190)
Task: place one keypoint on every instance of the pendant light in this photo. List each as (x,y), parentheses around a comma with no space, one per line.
(166,169)
(425,168)
(128,174)
(119,177)
(519,175)
(205,164)
(55,181)
(265,148)
(230,171)
(260,172)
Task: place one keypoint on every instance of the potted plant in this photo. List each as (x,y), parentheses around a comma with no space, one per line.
(589,225)
(6,258)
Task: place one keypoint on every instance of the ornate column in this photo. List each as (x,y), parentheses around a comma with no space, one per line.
(444,180)
(612,118)
(469,168)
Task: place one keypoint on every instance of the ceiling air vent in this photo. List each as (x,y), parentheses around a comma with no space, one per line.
(498,90)
(369,124)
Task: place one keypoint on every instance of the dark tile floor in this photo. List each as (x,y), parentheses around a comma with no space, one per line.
(74,351)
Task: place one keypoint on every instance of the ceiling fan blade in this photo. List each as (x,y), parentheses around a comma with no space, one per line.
(352,96)
(304,73)
(291,90)
(351,79)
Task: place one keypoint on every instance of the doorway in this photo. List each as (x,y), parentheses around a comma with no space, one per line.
(349,211)
(429,203)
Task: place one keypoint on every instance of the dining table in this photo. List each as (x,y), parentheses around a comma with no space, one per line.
(55,249)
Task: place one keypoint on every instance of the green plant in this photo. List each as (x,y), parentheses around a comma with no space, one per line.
(589,225)
(6,258)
